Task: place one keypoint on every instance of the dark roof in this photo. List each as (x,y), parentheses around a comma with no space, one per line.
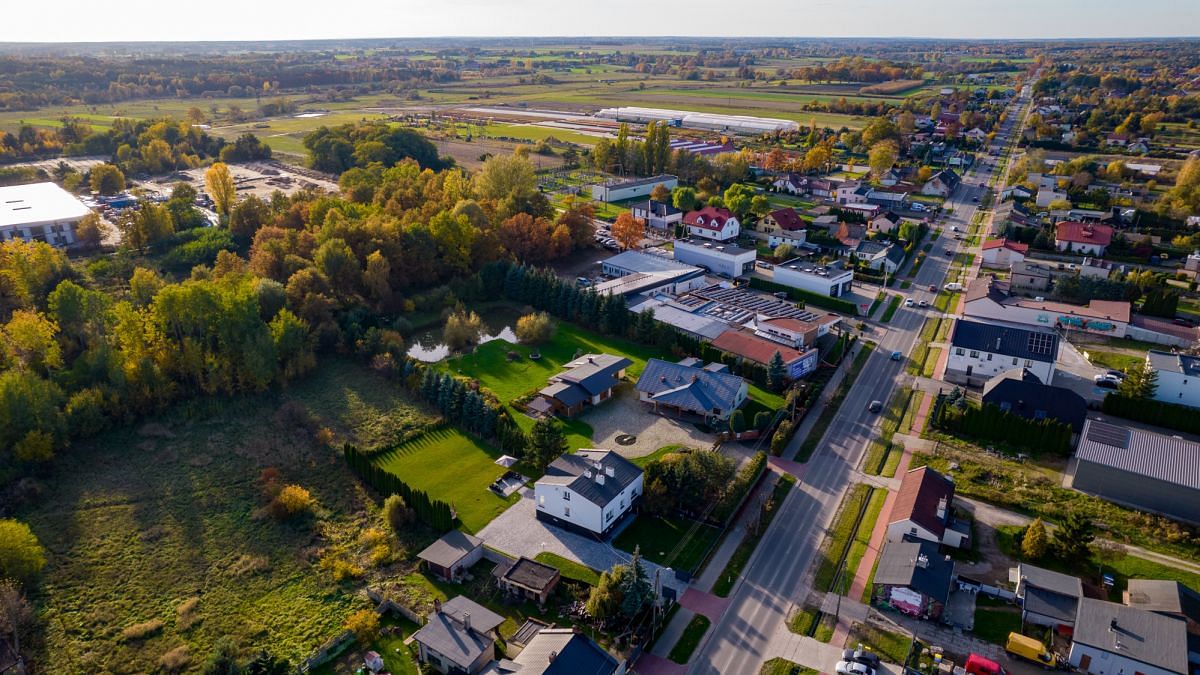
(1034,345)
(1026,396)
(1184,364)
(916,565)
(571,471)
(871,248)
(529,573)
(1061,608)
(1136,634)
(562,651)
(1165,458)
(788,219)
(450,548)
(585,377)
(1057,582)
(947,177)
(447,633)
(920,493)
(895,254)
(657,208)
(688,387)
(1164,597)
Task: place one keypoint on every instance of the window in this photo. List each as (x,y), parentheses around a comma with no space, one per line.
(608,516)
(912,530)
(566,496)
(1028,363)
(567,512)
(959,351)
(974,354)
(1014,360)
(989,357)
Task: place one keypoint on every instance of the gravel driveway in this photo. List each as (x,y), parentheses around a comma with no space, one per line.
(624,414)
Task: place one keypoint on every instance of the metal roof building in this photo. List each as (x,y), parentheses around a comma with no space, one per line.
(1138,468)
(738,124)
(40,212)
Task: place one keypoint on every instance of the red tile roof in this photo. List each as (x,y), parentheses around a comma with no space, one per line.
(1004,243)
(1083,233)
(920,493)
(709,217)
(753,348)
(788,219)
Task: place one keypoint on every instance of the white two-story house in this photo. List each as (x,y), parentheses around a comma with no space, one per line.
(980,351)
(589,492)
(1178,377)
(712,222)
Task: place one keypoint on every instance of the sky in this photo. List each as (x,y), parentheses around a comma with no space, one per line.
(141,20)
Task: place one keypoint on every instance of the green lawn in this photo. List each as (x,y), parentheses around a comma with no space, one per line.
(657,538)
(993,624)
(779,666)
(893,305)
(888,645)
(1115,360)
(398,658)
(451,466)
(647,460)
(569,568)
(840,537)
(690,639)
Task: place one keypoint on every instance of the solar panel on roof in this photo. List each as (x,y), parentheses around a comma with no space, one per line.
(1041,343)
(1108,434)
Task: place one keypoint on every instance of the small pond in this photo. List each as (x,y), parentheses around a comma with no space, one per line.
(427,346)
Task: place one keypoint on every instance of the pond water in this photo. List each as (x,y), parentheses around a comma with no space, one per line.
(427,345)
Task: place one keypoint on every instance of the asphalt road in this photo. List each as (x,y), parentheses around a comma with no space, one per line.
(776,576)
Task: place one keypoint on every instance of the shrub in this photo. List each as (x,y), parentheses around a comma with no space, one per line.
(365,625)
(535,328)
(397,514)
(185,614)
(737,422)
(21,554)
(141,631)
(762,420)
(291,501)
(175,660)
(783,434)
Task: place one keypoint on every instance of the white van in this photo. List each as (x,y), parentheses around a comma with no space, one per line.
(953,287)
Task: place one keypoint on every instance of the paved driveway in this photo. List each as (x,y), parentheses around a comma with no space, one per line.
(624,414)
(518,532)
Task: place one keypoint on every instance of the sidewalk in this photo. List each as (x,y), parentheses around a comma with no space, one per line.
(818,410)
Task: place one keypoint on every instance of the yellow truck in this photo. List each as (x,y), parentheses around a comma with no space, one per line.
(1030,649)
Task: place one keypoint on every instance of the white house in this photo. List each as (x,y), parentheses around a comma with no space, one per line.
(1083,238)
(1113,639)
(793,183)
(1047,195)
(941,184)
(657,215)
(794,239)
(40,212)
(980,351)
(1002,253)
(924,509)
(618,190)
(724,259)
(833,280)
(1178,377)
(589,491)
(712,222)
(852,193)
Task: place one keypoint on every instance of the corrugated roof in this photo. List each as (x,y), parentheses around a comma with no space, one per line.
(1035,345)
(1133,633)
(1050,604)
(1165,458)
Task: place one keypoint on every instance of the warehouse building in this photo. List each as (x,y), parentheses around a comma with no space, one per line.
(834,279)
(620,190)
(725,259)
(727,124)
(40,212)
(1138,468)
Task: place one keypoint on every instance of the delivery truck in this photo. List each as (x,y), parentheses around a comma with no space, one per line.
(1030,649)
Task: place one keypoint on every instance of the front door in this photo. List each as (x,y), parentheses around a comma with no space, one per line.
(1084,662)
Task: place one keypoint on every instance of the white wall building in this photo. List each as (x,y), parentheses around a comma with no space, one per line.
(713,223)
(980,351)
(1113,639)
(619,190)
(589,491)
(833,279)
(40,212)
(1178,377)
(724,259)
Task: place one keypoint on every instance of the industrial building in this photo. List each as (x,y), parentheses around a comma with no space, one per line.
(620,190)
(834,279)
(724,259)
(1138,468)
(732,124)
(40,212)
(636,272)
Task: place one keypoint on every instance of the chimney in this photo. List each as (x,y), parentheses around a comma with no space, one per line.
(1112,625)
(591,359)
(437,606)
(922,561)
(467,620)
(599,479)
(610,472)
(550,658)
(941,508)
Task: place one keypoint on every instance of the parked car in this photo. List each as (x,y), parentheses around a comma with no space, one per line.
(980,665)
(853,668)
(933,288)
(874,407)
(583,282)
(861,655)
(954,287)
(1115,373)
(908,302)
(1105,381)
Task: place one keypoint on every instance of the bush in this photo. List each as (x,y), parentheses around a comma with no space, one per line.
(291,501)
(141,631)
(535,328)
(175,660)
(1150,411)
(397,513)
(783,434)
(21,554)
(737,422)
(365,625)
(762,420)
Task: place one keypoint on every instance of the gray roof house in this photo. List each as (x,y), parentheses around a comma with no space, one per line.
(560,651)
(588,380)
(913,578)
(590,491)
(1164,597)
(452,554)
(1138,468)
(687,388)
(459,636)
(1021,393)
(1111,638)
(1047,598)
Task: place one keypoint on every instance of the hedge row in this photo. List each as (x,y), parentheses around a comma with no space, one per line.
(1149,411)
(807,297)
(433,512)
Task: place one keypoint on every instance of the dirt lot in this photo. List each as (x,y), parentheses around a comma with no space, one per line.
(467,153)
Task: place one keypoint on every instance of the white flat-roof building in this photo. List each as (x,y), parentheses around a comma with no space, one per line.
(621,189)
(725,259)
(40,212)
(833,279)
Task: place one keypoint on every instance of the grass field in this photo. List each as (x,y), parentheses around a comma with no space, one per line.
(690,639)
(993,624)
(658,537)
(142,519)
(888,645)
(451,466)
(569,568)
(780,666)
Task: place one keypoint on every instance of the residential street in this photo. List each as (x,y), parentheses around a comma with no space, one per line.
(777,575)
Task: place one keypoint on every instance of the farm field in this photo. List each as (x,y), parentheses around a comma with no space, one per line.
(159,529)
(451,466)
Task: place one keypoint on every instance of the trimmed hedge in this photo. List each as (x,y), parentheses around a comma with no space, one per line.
(1149,411)
(807,297)
(990,422)
(433,512)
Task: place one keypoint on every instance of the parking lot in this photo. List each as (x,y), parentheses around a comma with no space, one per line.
(260,179)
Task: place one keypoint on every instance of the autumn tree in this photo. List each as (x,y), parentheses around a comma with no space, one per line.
(89,232)
(106,179)
(219,183)
(660,193)
(462,328)
(535,328)
(882,157)
(364,624)
(21,554)
(629,231)
(1035,541)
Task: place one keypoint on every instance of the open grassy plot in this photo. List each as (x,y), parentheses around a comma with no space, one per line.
(657,537)
(993,624)
(141,523)
(888,645)
(1115,360)
(398,658)
(453,467)
(569,568)
(780,666)
(692,634)
(841,535)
